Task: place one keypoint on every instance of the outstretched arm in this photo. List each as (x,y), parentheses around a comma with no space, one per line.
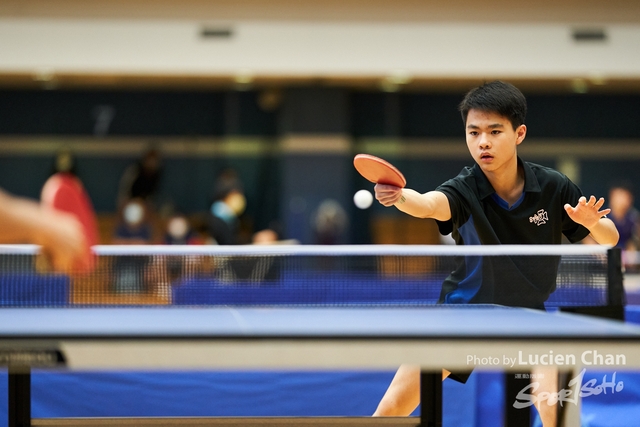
(433,204)
(588,214)
(59,234)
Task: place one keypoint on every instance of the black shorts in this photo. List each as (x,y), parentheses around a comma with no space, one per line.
(460,377)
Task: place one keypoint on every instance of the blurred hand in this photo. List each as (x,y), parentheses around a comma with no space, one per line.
(387,195)
(63,243)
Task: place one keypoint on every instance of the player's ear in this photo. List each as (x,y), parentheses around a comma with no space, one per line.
(521,132)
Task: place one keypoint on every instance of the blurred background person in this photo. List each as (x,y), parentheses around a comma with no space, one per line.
(180,232)
(265,237)
(229,203)
(134,227)
(330,223)
(65,162)
(141,179)
(627,220)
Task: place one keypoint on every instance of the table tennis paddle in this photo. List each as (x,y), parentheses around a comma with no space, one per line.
(65,193)
(378,170)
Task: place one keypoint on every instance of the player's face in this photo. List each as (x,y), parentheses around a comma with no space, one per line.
(491,140)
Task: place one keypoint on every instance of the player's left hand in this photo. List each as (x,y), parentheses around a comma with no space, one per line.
(587,213)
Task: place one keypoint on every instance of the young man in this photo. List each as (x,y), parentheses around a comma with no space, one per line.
(499,200)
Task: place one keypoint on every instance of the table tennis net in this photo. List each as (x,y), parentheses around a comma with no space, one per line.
(376,275)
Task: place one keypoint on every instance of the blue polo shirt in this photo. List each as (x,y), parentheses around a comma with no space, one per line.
(480,217)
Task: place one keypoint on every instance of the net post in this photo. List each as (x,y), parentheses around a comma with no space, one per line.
(430,399)
(615,288)
(19,398)
(615,295)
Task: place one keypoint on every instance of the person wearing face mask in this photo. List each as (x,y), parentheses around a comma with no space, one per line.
(134,227)
(180,232)
(228,204)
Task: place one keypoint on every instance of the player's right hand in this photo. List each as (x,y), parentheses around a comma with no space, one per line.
(387,195)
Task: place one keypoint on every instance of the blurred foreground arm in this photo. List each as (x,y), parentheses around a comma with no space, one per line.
(59,234)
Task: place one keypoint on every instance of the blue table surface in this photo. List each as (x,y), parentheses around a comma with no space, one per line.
(429,322)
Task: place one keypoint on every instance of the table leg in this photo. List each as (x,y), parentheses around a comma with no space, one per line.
(430,399)
(19,399)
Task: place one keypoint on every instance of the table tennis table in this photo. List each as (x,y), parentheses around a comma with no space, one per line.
(455,337)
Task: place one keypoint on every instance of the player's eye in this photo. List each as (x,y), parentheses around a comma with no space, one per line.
(473,133)
(495,132)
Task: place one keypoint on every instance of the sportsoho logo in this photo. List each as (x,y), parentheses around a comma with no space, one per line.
(571,394)
(540,217)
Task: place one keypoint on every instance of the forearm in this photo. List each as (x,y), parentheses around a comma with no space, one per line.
(429,205)
(605,232)
(588,213)
(19,219)
(59,234)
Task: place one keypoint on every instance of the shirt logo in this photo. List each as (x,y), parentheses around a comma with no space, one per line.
(539,218)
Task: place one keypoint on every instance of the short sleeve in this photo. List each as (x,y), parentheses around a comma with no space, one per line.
(458,209)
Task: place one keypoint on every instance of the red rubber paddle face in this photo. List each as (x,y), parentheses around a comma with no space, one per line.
(64,192)
(378,171)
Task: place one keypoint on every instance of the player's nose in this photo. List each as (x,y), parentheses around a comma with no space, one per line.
(484,142)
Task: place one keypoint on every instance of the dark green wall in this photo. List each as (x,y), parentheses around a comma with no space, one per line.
(272,180)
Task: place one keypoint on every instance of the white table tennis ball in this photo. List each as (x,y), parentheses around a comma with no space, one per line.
(363,199)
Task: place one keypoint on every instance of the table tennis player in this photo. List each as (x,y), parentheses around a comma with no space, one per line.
(501,199)
(60,234)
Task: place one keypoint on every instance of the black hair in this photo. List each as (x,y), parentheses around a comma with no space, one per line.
(226,182)
(623,184)
(498,97)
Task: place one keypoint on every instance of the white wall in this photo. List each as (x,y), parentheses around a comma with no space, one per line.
(29,45)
